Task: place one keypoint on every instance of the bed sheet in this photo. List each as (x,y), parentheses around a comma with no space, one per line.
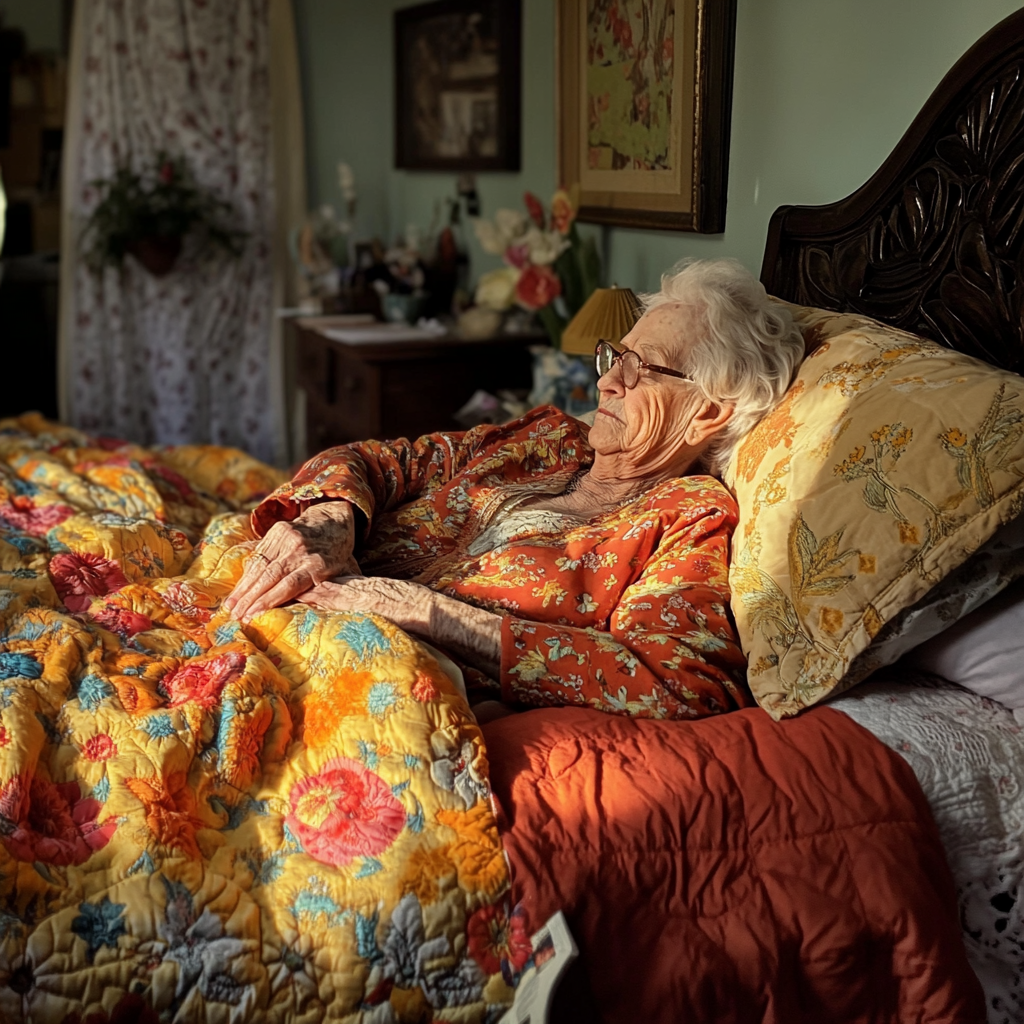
(967,752)
(200,821)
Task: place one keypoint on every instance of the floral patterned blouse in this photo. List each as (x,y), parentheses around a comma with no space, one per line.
(625,612)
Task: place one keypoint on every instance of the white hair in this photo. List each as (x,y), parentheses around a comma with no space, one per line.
(750,349)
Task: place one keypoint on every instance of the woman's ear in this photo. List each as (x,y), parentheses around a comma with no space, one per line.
(708,420)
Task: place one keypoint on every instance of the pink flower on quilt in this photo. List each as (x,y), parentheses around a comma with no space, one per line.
(23,515)
(499,941)
(201,682)
(181,598)
(59,827)
(5,736)
(99,748)
(344,811)
(77,577)
(122,621)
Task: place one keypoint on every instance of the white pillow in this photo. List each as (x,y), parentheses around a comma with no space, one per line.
(984,651)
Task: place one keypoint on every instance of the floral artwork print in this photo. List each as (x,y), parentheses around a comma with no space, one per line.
(200,818)
(630,73)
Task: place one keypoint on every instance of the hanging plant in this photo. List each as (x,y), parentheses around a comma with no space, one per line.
(148,214)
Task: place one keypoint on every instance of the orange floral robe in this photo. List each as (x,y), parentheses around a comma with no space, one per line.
(626,612)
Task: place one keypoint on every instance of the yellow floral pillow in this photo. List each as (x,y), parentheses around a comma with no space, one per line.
(888,463)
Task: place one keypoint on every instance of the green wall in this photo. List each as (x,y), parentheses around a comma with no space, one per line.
(40,20)
(823,91)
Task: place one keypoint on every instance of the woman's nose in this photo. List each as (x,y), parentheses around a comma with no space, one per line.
(612,380)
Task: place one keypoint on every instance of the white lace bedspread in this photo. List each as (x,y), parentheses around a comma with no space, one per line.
(968,754)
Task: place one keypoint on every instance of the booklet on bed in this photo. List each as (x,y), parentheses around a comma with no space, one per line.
(553,951)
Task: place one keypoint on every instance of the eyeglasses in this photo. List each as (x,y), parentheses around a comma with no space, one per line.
(605,357)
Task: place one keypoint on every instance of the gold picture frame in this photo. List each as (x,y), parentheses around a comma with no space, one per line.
(644,108)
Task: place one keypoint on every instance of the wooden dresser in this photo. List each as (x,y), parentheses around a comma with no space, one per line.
(397,388)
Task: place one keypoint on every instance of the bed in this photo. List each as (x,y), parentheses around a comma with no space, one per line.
(301,820)
(931,245)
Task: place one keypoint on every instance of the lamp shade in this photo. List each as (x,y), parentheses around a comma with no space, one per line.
(609,314)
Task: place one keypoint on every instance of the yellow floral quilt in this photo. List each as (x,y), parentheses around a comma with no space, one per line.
(202,821)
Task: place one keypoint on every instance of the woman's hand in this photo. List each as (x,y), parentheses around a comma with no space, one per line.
(471,633)
(295,556)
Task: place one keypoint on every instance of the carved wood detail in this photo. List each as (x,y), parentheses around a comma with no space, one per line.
(934,242)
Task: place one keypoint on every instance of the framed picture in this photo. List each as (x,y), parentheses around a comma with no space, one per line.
(645,99)
(457,86)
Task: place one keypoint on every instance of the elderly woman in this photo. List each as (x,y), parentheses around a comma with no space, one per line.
(568,566)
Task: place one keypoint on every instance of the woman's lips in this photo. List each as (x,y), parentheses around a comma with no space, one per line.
(605,412)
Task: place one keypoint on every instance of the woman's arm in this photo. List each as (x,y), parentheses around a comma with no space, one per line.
(309,526)
(468,632)
(373,476)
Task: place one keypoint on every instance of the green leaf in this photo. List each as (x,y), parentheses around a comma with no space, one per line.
(590,267)
(553,324)
(568,272)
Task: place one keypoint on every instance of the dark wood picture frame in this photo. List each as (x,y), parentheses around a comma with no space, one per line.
(446,117)
(688,192)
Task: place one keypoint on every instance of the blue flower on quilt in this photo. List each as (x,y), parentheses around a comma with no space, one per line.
(101,791)
(28,630)
(14,664)
(190,649)
(236,813)
(368,754)
(381,698)
(157,726)
(99,925)
(363,637)
(6,598)
(25,545)
(315,902)
(92,690)
(198,945)
(307,624)
(226,633)
(144,863)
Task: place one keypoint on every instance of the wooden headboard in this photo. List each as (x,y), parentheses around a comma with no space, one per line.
(934,241)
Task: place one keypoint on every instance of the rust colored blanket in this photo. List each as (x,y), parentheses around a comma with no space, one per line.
(734,869)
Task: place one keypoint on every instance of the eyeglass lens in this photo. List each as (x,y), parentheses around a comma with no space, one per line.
(606,357)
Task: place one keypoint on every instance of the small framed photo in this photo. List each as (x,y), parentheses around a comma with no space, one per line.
(457,86)
(644,108)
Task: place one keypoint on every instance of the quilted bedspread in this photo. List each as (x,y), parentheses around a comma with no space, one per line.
(203,821)
(733,870)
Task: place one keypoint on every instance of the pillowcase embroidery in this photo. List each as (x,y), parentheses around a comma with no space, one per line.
(888,463)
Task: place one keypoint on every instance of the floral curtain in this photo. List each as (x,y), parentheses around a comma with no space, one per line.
(191,357)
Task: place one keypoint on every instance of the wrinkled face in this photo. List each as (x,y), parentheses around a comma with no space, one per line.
(642,424)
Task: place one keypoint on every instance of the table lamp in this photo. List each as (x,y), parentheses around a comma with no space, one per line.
(609,314)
